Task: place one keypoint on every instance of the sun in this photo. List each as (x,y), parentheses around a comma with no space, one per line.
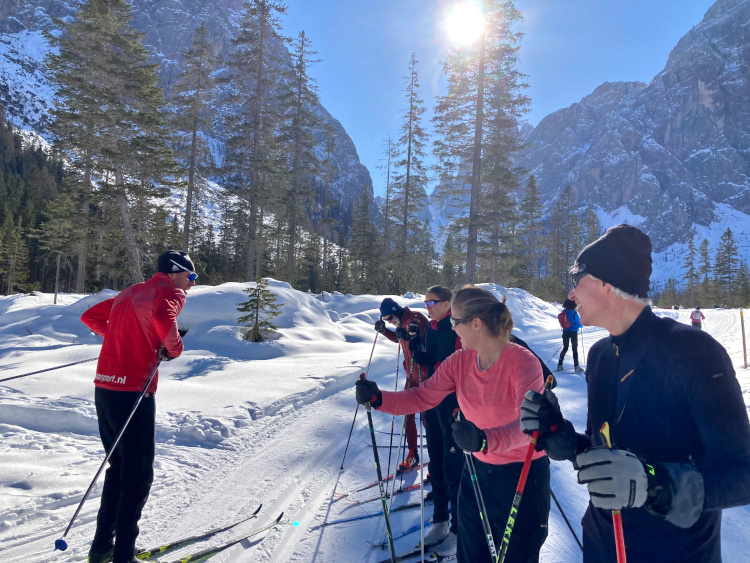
(465,23)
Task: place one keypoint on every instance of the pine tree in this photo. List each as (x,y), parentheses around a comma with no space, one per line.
(327,199)
(191,113)
(410,180)
(390,153)
(60,234)
(108,118)
(363,254)
(531,232)
(726,265)
(300,125)
(262,307)
(706,290)
(252,160)
(15,258)
(475,118)
(690,267)
(564,241)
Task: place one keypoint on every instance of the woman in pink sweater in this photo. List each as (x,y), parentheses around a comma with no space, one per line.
(490,377)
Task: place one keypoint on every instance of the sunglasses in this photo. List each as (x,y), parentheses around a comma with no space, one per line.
(192,277)
(389,318)
(431,302)
(455,322)
(576,278)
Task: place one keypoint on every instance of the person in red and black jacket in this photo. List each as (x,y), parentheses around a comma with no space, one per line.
(402,318)
(139,327)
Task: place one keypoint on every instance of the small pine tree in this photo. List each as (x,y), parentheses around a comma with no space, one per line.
(262,308)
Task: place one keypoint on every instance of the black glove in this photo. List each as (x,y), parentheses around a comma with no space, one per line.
(557,435)
(163,355)
(401,334)
(615,478)
(414,344)
(380,326)
(414,328)
(367,391)
(468,437)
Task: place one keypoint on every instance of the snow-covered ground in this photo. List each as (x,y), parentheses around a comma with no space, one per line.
(241,424)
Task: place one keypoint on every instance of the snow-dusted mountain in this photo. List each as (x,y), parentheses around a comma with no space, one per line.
(673,154)
(168,25)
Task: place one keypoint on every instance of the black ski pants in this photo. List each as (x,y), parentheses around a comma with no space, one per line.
(128,478)
(569,337)
(498,486)
(446,460)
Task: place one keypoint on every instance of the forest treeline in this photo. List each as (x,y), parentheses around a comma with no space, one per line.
(133,171)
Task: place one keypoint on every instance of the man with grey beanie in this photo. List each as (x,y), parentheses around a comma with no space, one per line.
(680,436)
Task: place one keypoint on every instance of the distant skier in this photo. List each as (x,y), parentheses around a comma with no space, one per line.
(571,324)
(138,326)
(489,376)
(696,318)
(678,423)
(402,318)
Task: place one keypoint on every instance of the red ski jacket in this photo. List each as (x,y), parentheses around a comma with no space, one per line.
(134,325)
(406,318)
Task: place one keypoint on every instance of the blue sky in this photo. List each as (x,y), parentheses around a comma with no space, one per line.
(570,48)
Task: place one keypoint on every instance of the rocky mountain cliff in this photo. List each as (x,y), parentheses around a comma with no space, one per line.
(168,25)
(669,154)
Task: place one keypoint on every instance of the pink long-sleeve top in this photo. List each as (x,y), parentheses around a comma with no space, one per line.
(490,399)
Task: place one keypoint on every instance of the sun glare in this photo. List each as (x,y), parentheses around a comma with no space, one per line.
(465,23)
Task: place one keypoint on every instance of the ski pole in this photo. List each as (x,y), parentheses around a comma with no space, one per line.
(357,409)
(562,513)
(421,470)
(393,417)
(383,500)
(49,369)
(616,515)
(521,486)
(583,350)
(483,516)
(61,544)
(556,351)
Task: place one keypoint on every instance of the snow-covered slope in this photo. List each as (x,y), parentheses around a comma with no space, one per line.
(240,424)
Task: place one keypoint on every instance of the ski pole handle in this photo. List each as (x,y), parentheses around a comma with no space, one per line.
(616,515)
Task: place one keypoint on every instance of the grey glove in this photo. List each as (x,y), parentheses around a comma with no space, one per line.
(615,478)
(380,326)
(541,412)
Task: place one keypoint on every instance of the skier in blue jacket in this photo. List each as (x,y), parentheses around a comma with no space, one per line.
(570,334)
(678,423)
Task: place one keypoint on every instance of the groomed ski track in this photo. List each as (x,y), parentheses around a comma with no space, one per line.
(289,461)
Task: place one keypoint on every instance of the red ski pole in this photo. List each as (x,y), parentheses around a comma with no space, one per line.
(521,486)
(616,516)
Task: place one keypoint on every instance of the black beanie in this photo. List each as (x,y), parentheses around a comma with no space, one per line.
(621,257)
(166,262)
(390,307)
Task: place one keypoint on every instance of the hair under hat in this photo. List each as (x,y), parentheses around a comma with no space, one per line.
(620,257)
(171,260)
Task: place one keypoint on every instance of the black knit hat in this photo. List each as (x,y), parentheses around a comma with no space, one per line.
(390,307)
(620,257)
(171,260)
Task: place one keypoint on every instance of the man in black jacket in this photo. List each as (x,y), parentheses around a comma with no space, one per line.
(678,424)
(446,458)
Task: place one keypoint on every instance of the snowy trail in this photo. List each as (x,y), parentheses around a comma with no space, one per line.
(277,440)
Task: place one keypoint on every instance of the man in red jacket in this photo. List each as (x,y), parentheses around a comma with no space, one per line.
(139,327)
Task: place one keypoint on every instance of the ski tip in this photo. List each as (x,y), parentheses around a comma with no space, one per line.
(279,518)
(257,510)
(61,544)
